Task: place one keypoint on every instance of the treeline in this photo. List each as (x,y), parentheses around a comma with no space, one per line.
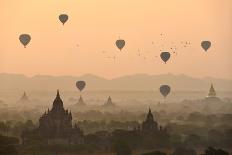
(15,128)
(94,126)
(187,151)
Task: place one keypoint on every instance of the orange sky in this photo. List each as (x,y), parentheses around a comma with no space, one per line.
(95,25)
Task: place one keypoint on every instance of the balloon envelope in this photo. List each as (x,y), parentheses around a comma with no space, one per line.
(205,45)
(165,56)
(25,39)
(165,90)
(120,44)
(80,85)
(63,18)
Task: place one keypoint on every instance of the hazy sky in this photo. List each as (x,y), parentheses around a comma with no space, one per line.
(94,26)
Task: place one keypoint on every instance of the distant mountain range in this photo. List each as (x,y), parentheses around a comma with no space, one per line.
(181,82)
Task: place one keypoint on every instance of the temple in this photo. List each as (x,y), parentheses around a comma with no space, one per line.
(212,92)
(153,135)
(212,96)
(150,125)
(24,98)
(109,103)
(55,126)
(148,135)
(80,102)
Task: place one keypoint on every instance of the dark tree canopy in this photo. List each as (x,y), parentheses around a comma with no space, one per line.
(7,145)
(122,148)
(184,151)
(155,153)
(213,151)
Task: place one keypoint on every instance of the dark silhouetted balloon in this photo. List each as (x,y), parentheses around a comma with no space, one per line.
(165,90)
(80,85)
(205,45)
(25,39)
(165,56)
(63,18)
(120,44)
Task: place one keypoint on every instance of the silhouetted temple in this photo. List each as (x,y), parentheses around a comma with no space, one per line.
(80,102)
(109,103)
(153,135)
(24,98)
(55,126)
(212,92)
(150,125)
(148,136)
(212,96)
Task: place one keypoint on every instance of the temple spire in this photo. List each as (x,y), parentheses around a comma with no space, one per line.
(149,110)
(150,115)
(24,97)
(58,94)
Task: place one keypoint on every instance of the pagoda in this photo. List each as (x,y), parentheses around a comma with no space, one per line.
(55,125)
(109,103)
(212,96)
(24,98)
(150,125)
(212,92)
(80,102)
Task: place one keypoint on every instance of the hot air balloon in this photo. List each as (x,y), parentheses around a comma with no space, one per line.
(25,39)
(120,44)
(165,90)
(205,45)
(63,18)
(165,56)
(80,85)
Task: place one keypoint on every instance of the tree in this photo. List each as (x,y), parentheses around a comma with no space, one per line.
(213,151)
(122,148)
(2,127)
(215,138)
(29,125)
(184,151)
(228,138)
(155,153)
(175,140)
(8,150)
(193,140)
(7,145)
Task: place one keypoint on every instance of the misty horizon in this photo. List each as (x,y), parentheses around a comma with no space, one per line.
(135,82)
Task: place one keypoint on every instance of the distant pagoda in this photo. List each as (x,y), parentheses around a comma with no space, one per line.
(212,92)
(24,98)
(109,103)
(212,96)
(80,102)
